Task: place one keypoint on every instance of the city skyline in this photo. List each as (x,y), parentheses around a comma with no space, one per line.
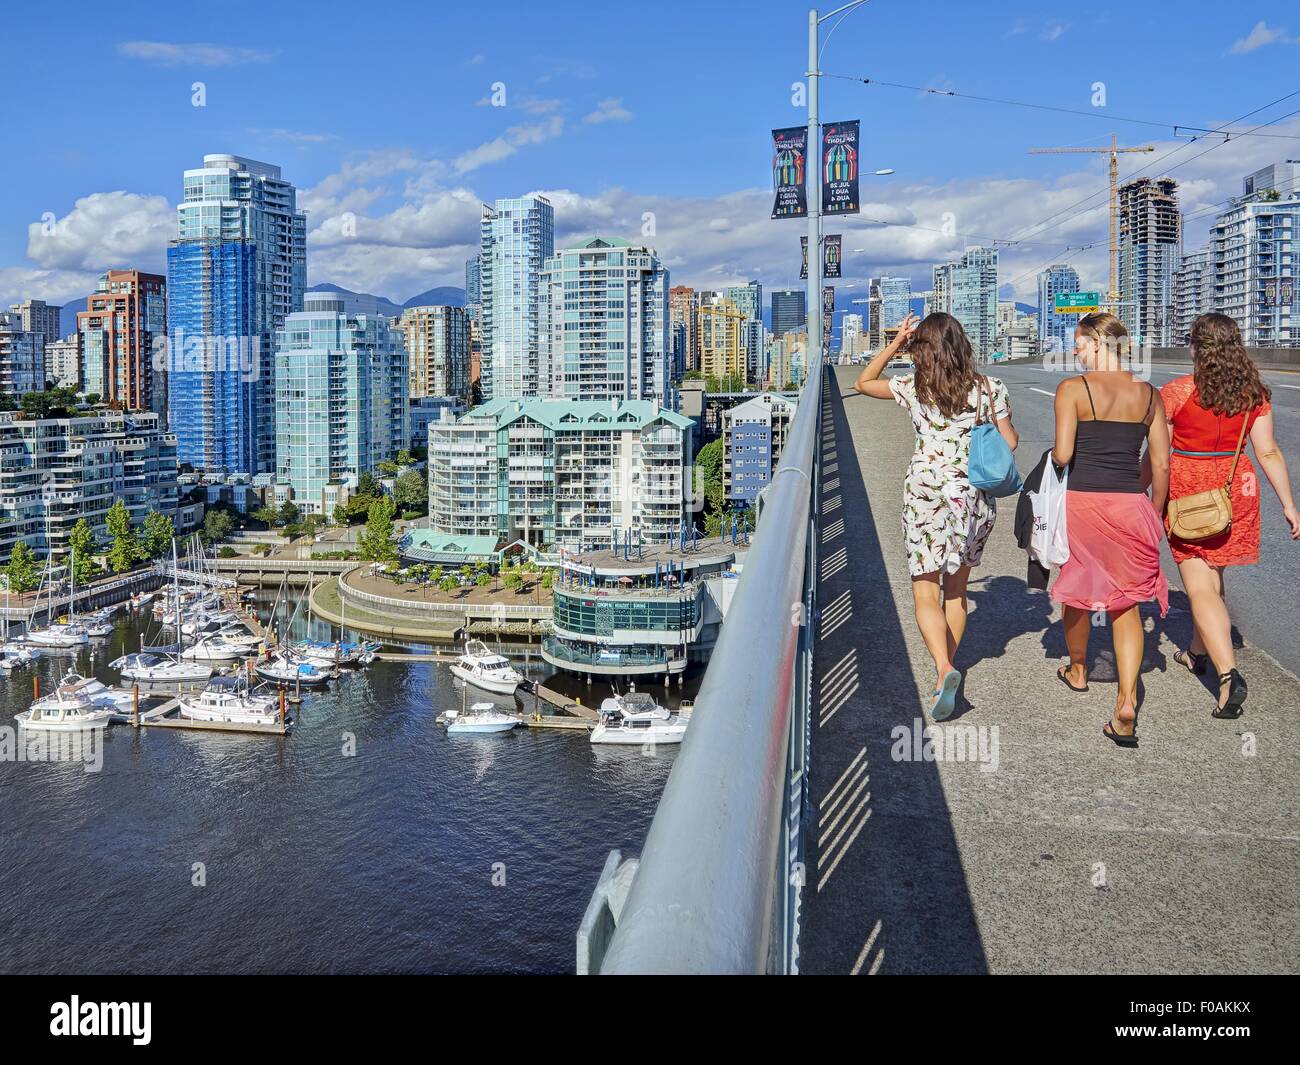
(394,218)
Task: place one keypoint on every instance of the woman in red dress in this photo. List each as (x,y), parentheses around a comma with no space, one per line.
(1206,409)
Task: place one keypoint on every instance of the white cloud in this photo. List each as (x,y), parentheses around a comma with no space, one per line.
(171,54)
(56,287)
(1259,37)
(609,110)
(1055,31)
(105,230)
(508,144)
(292,136)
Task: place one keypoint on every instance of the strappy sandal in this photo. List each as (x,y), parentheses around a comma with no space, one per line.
(1118,738)
(1232,706)
(1191,661)
(1061,676)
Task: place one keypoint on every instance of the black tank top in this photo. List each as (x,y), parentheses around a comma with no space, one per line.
(1108,454)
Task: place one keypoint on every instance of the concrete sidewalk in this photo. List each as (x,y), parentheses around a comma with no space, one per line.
(1057,852)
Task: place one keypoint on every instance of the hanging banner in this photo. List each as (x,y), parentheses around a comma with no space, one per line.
(839,159)
(828,315)
(790,172)
(832,248)
(1286,292)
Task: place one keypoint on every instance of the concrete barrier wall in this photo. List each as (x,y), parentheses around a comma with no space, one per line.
(1266,358)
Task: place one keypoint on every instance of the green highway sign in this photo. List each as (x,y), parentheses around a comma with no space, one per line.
(1077,302)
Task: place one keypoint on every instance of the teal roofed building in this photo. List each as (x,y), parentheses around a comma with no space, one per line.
(557,473)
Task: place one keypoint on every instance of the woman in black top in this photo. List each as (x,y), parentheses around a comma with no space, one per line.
(1102,420)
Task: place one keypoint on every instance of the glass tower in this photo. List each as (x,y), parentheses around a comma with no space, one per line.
(237,269)
(515,238)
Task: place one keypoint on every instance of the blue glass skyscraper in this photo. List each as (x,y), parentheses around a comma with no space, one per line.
(237,269)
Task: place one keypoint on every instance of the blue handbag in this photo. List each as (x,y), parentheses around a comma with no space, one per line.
(992,466)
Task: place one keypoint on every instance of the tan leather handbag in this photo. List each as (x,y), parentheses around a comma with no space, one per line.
(1204,514)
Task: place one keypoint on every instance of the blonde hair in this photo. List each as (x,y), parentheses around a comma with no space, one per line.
(1109,332)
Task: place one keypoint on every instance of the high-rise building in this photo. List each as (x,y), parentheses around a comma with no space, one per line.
(602,324)
(63,362)
(39,317)
(786,357)
(567,473)
(473,289)
(1193,292)
(516,236)
(748,299)
(753,434)
(789,311)
(341,401)
(968,290)
(722,340)
(895,301)
(1253,250)
(236,271)
(1281,180)
(682,306)
(853,340)
(123,325)
(1150,246)
(22,356)
(57,471)
(1056,331)
(437,351)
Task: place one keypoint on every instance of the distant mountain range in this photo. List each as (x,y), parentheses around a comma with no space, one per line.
(367,303)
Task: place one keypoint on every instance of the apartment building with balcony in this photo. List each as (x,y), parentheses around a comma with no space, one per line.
(561,473)
(124,322)
(1254,247)
(56,471)
(22,356)
(753,434)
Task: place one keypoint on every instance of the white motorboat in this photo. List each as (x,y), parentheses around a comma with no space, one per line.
(336,653)
(66,709)
(281,668)
(486,669)
(59,635)
(635,718)
(229,699)
(154,669)
(98,629)
(17,654)
(9,662)
(481,717)
(218,648)
(99,693)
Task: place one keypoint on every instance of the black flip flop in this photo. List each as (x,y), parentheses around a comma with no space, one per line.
(1117,739)
(1060,675)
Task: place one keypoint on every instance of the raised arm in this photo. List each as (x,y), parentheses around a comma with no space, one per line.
(869,382)
(1067,422)
(1274,465)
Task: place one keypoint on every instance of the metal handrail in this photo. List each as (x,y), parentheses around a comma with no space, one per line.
(705,892)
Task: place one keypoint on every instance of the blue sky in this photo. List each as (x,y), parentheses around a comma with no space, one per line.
(380,112)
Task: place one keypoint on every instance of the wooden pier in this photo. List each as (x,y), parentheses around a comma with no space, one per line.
(160,716)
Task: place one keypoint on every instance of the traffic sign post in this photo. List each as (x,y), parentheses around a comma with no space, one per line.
(1077,302)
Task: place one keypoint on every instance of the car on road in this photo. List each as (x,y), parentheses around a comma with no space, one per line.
(900,364)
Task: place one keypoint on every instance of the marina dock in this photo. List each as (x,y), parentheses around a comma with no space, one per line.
(160,716)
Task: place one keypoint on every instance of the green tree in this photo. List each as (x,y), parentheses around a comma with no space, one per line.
(376,543)
(81,542)
(513,579)
(268,516)
(483,579)
(156,535)
(411,491)
(548,578)
(22,571)
(217,525)
(448,584)
(388,467)
(288,513)
(367,485)
(404,458)
(125,551)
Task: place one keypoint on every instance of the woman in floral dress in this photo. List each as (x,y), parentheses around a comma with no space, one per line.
(946,522)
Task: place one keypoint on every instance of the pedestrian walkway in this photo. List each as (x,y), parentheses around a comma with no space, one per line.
(1046,849)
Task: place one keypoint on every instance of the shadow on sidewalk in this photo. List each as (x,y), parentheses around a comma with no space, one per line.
(885,888)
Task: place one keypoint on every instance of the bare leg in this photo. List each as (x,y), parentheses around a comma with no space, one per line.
(1204,584)
(1130,641)
(1077,624)
(954,607)
(931,621)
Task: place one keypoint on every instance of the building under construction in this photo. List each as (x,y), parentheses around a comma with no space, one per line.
(1150,250)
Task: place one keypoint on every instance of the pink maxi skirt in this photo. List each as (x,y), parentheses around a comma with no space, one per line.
(1114,553)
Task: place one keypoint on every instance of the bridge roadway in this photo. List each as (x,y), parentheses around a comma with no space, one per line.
(1072,855)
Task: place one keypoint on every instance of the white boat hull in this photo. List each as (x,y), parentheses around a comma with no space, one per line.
(500,687)
(481,727)
(603,733)
(95,721)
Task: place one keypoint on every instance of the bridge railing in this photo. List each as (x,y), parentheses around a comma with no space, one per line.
(717,886)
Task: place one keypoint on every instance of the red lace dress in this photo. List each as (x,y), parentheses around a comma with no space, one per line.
(1211,438)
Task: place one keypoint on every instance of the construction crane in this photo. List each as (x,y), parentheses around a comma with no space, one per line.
(1112,297)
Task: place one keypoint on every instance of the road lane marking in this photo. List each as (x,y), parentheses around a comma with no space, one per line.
(1042,391)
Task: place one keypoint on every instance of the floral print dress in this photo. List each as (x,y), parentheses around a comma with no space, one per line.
(946,522)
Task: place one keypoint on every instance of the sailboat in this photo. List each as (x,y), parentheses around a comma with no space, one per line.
(164,667)
(66,634)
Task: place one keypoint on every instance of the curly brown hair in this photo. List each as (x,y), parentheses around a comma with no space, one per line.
(945,364)
(1227,379)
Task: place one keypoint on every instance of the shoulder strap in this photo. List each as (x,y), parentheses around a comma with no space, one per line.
(1084,379)
(981,382)
(1236,455)
(1150,401)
